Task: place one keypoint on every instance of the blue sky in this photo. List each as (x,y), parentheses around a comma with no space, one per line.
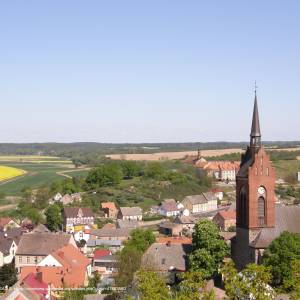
(148,71)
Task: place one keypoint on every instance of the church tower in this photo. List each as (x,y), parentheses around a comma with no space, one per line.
(255,195)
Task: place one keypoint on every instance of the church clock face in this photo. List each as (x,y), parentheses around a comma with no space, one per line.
(261,191)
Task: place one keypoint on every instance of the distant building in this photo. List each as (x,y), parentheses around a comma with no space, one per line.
(225,219)
(110,210)
(187,223)
(170,228)
(200,203)
(220,170)
(8,249)
(121,234)
(169,208)
(77,216)
(127,224)
(130,213)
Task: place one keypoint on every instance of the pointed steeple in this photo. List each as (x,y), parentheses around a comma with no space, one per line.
(255,128)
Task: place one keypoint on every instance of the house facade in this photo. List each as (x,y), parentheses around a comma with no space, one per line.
(34,247)
(169,208)
(225,219)
(200,203)
(8,249)
(74,216)
(110,210)
(130,213)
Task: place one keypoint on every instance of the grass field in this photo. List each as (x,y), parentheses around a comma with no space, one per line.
(286,168)
(7,173)
(33,159)
(37,170)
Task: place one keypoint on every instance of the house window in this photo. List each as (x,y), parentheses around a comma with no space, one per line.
(20,259)
(163,261)
(28,259)
(261,211)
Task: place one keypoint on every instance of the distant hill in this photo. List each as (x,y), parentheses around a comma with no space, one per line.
(74,149)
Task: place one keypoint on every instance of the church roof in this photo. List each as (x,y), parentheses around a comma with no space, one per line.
(286,219)
(255,128)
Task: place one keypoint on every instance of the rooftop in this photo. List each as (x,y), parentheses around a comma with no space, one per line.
(131,211)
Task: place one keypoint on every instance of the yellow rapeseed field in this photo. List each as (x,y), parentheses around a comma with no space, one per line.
(9,172)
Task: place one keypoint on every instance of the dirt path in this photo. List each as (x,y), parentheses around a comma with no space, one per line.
(8,206)
(63,173)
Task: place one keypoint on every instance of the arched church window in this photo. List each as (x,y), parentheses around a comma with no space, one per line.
(243,206)
(261,211)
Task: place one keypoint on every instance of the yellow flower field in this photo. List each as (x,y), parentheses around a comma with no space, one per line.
(9,172)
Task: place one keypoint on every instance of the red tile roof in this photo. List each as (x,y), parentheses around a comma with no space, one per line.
(228,215)
(4,221)
(37,285)
(109,205)
(101,252)
(71,274)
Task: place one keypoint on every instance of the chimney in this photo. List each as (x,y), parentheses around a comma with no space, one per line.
(39,276)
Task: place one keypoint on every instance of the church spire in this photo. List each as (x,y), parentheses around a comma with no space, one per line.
(255,128)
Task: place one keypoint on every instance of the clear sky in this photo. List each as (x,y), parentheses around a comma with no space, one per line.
(148,71)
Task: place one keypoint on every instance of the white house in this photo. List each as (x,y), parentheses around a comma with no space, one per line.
(8,249)
(200,203)
(169,208)
(130,213)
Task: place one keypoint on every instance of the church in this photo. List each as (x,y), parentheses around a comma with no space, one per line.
(258,219)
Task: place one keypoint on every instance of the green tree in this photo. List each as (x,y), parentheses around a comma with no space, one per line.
(33,214)
(154,170)
(130,169)
(53,217)
(8,275)
(141,239)
(105,175)
(209,250)
(252,283)
(42,197)
(192,287)
(294,283)
(279,257)
(151,286)
(129,261)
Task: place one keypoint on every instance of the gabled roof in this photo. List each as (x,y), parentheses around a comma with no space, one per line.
(127,223)
(5,245)
(4,221)
(36,284)
(286,219)
(42,244)
(195,199)
(74,212)
(13,233)
(131,211)
(174,240)
(111,232)
(185,220)
(101,252)
(108,205)
(227,214)
(40,228)
(167,257)
(70,257)
(169,205)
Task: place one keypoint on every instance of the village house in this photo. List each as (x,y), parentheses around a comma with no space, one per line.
(77,216)
(112,245)
(170,208)
(8,249)
(65,267)
(170,228)
(220,170)
(121,234)
(225,219)
(130,213)
(218,193)
(32,287)
(7,223)
(187,223)
(167,258)
(34,247)
(200,203)
(127,224)
(105,263)
(110,210)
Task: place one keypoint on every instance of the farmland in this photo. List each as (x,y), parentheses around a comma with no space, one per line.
(37,171)
(7,173)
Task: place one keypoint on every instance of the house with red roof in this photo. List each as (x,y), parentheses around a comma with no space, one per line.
(31,287)
(225,219)
(7,223)
(110,210)
(105,263)
(65,267)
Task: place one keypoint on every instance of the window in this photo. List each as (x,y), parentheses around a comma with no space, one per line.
(261,211)
(28,259)
(243,206)
(267,171)
(20,259)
